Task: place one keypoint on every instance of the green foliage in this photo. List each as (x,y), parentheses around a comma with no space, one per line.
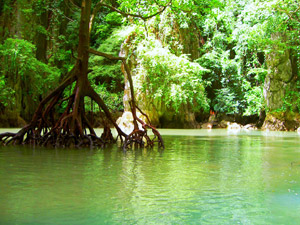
(236,34)
(143,7)
(104,26)
(106,76)
(234,93)
(254,98)
(64,37)
(235,37)
(19,66)
(173,80)
(291,100)
(7,94)
(114,100)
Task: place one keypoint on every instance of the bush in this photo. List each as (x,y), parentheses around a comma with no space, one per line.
(19,66)
(174,80)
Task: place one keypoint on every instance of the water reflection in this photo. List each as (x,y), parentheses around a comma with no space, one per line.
(206,178)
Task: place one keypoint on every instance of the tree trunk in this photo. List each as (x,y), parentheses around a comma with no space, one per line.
(41,38)
(71,128)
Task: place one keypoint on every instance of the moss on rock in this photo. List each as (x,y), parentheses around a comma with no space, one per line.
(11,119)
(282,121)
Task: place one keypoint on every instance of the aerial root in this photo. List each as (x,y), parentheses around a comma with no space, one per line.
(107,135)
(51,139)
(70,129)
(140,139)
(38,133)
(61,136)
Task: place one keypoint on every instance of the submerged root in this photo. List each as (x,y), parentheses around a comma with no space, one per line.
(63,138)
(67,133)
(140,138)
(29,136)
(72,128)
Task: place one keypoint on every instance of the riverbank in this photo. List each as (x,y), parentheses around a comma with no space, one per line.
(274,121)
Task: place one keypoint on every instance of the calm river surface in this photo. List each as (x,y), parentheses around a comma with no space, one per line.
(201,177)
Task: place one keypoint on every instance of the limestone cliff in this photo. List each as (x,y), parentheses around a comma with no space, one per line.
(279,80)
(160,109)
(279,76)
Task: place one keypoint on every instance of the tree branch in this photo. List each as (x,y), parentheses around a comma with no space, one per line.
(290,14)
(77,6)
(105,55)
(95,10)
(135,15)
(94,96)
(101,4)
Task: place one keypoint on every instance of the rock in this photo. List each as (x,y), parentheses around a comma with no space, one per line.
(279,77)
(273,123)
(284,121)
(159,113)
(125,122)
(250,127)
(223,124)
(207,126)
(233,126)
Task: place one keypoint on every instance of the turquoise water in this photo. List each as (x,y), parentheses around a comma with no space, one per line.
(202,177)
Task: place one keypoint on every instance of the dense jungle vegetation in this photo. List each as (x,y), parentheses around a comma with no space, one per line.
(238,59)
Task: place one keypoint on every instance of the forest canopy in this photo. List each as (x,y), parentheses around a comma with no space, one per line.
(236,58)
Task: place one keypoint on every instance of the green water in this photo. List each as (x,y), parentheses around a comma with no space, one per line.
(201,177)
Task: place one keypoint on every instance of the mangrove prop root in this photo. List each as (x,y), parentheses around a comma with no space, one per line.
(139,137)
(71,128)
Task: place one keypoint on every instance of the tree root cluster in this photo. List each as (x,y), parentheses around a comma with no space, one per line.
(31,137)
(35,136)
(140,139)
(72,128)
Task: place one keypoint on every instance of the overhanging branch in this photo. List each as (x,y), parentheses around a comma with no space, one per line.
(134,15)
(290,14)
(105,55)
